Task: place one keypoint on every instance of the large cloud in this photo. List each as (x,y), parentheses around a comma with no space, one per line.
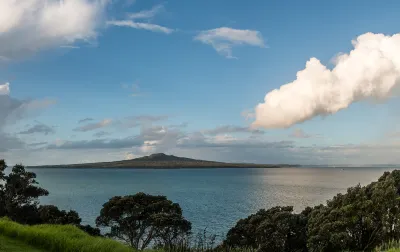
(31,25)
(370,71)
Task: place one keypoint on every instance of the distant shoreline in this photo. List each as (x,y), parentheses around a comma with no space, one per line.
(161,161)
(235,166)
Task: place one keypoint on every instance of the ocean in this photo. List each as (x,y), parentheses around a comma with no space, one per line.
(212,199)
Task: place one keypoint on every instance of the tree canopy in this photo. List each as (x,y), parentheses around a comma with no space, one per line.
(142,219)
(275,229)
(359,220)
(19,194)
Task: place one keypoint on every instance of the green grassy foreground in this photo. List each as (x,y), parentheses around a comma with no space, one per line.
(57,238)
(10,245)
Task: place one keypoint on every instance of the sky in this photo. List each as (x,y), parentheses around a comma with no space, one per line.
(298,82)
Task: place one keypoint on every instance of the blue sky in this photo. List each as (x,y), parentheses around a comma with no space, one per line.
(159,76)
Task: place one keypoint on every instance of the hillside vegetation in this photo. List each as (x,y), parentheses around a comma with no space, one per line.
(57,238)
(11,245)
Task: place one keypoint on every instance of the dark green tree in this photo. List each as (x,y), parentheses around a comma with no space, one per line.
(359,220)
(3,167)
(93,231)
(172,229)
(141,219)
(20,194)
(275,229)
(52,215)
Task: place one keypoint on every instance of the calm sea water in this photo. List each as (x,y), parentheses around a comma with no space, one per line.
(210,198)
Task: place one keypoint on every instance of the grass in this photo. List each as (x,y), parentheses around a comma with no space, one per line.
(57,238)
(393,246)
(10,245)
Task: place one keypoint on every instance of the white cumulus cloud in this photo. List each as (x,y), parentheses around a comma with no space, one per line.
(223,39)
(370,71)
(29,26)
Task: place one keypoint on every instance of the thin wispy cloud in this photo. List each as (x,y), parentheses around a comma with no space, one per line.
(132,22)
(134,89)
(36,144)
(38,128)
(4,58)
(93,126)
(141,26)
(101,134)
(129,2)
(299,133)
(69,47)
(87,119)
(226,129)
(147,14)
(223,39)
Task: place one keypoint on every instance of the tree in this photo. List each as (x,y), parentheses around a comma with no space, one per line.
(90,230)
(359,220)
(3,167)
(19,194)
(171,228)
(275,229)
(52,215)
(141,219)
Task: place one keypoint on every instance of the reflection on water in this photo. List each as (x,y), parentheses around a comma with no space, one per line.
(210,198)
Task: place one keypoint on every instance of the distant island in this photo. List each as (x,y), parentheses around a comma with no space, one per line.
(163,161)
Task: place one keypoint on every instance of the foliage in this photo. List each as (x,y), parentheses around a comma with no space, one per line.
(141,219)
(93,231)
(275,229)
(59,238)
(19,194)
(359,220)
(52,215)
(3,167)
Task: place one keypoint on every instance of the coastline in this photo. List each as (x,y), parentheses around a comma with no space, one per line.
(161,167)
